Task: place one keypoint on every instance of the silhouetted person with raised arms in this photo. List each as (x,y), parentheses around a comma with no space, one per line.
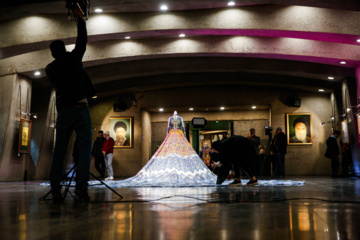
(70,81)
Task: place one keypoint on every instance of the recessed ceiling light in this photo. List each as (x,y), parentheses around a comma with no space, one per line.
(321,90)
(182,35)
(37,73)
(191,109)
(161,109)
(127,37)
(163,7)
(222,108)
(253,107)
(342,62)
(98,10)
(358,40)
(331,78)
(348,109)
(94,97)
(231,3)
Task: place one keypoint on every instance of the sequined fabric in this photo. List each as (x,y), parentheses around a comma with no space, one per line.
(175,163)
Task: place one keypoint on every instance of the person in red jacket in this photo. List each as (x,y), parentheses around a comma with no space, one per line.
(108,150)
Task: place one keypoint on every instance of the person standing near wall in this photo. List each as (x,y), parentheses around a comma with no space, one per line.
(332,152)
(97,154)
(278,149)
(70,81)
(108,152)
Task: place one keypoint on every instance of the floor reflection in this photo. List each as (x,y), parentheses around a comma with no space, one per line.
(323,208)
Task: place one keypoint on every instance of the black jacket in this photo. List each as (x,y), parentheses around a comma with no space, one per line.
(332,148)
(279,144)
(66,72)
(235,148)
(97,146)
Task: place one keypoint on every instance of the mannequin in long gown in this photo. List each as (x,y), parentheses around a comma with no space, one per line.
(175,163)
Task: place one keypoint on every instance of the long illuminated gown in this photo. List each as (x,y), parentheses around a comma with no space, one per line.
(175,163)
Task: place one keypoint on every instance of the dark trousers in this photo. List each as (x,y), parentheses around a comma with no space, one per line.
(279,170)
(100,165)
(69,119)
(244,161)
(334,166)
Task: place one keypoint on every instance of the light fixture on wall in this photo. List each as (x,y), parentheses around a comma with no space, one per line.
(34,115)
(323,123)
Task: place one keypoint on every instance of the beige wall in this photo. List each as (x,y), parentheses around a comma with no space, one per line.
(150,126)
(300,160)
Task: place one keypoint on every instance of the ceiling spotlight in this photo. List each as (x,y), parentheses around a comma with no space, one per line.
(348,109)
(231,3)
(182,35)
(163,7)
(37,73)
(222,108)
(342,62)
(331,78)
(321,90)
(127,37)
(332,117)
(34,115)
(358,40)
(253,107)
(161,109)
(94,97)
(98,10)
(191,109)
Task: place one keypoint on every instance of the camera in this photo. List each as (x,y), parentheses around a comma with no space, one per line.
(82,5)
(268,130)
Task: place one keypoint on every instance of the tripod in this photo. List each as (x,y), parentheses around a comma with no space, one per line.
(71,179)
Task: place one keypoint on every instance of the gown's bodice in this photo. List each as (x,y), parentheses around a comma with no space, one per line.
(175,123)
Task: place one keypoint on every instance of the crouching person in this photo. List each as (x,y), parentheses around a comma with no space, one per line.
(241,154)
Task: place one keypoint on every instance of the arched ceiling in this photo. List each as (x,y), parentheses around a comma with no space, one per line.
(254,43)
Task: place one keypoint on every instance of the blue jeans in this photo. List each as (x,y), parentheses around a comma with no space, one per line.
(69,119)
(279,165)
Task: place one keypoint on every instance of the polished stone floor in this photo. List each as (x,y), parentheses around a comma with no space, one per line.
(322,208)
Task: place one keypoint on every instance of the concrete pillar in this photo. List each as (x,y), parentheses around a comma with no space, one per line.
(15,98)
(145,137)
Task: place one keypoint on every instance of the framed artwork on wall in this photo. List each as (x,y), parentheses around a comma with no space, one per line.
(345,131)
(299,128)
(24,136)
(121,130)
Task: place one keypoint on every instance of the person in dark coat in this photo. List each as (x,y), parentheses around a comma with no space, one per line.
(241,154)
(96,152)
(278,148)
(69,79)
(332,152)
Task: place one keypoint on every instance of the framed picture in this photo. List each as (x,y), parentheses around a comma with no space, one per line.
(344,131)
(121,130)
(24,136)
(299,128)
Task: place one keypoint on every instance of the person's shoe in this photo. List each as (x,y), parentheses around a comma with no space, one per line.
(235,183)
(109,178)
(252,183)
(81,193)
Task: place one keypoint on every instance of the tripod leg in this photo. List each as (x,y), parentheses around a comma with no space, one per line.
(69,184)
(44,197)
(63,178)
(121,197)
